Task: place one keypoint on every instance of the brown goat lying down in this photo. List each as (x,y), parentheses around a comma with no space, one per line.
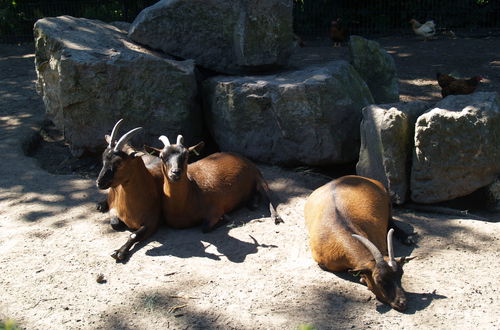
(204,191)
(135,186)
(347,220)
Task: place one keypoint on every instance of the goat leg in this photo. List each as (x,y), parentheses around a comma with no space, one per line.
(253,202)
(117,224)
(275,215)
(211,223)
(265,193)
(135,237)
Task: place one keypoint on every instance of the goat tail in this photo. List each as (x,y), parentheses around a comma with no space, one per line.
(265,192)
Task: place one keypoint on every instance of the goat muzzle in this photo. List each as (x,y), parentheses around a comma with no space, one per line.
(174,175)
(104,180)
(399,304)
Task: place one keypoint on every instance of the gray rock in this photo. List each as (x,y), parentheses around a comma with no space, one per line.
(225,36)
(494,191)
(124,26)
(387,132)
(457,147)
(376,67)
(309,116)
(90,74)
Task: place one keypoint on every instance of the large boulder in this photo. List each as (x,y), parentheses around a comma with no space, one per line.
(226,36)
(387,132)
(457,147)
(376,67)
(90,74)
(308,116)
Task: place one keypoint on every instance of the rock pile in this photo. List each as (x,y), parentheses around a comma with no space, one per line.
(192,67)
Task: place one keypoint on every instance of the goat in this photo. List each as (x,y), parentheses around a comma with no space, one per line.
(204,191)
(135,182)
(347,220)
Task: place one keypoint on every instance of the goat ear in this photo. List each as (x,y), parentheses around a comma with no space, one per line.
(129,150)
(152,151)
(107,138)
(401,261)
(138,154)
(197,148)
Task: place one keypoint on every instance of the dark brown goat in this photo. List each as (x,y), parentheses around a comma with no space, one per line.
(204,191)
(347,220)
(135,185)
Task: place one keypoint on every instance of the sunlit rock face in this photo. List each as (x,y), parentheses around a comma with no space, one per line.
(457,147)
(235,37)
(90,74)
(305,116)
(387,132)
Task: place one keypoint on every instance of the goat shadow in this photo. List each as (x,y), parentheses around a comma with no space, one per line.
(416,301)
(192,242)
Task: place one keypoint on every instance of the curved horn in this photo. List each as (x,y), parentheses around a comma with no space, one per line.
(165,140)
(125,138)
(371,247)
(114,132)
(390,249)
(180,139)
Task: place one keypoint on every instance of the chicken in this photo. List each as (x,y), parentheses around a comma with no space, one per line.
(338,33)
(426,30)
(453,86)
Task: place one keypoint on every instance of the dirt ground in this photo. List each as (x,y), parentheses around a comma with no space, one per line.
(248,274)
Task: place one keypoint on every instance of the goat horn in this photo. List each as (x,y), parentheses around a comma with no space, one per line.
(125,138)
(390,248)
(180,139)
(371,247)
(114,132)
(165,140)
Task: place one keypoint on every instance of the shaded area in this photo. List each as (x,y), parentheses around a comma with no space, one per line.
(48,147)
(189,243)
(155,306)
(21,111)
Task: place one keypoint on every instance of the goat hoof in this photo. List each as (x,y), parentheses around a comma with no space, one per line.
(118,256)
(114,255)
(102,206)
(278,220)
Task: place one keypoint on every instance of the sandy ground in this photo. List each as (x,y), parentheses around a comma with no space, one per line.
(249,274)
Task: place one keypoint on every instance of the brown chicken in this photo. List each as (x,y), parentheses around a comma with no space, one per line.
(453,86)
(338,33)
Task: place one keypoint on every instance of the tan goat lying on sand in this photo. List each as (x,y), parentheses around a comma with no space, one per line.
(347,220)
